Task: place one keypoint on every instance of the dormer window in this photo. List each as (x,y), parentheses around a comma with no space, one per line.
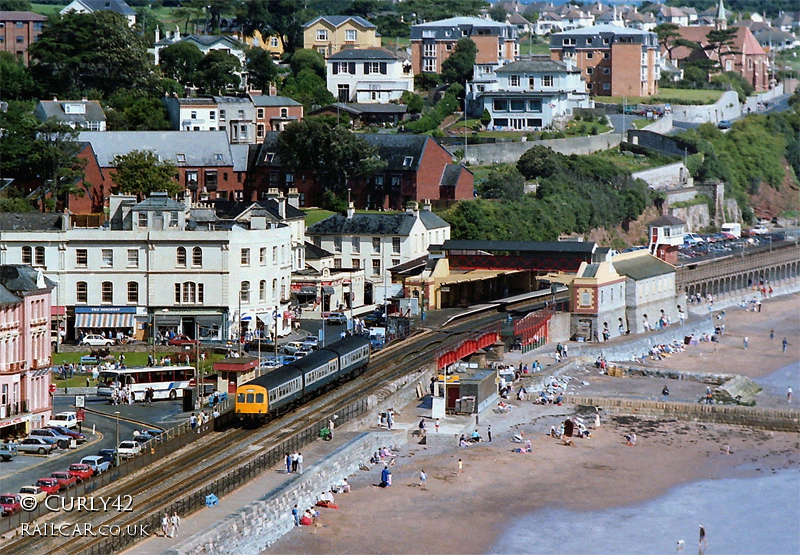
(142,219)
(269,157)
(407,161)
(218,157)
(181,158)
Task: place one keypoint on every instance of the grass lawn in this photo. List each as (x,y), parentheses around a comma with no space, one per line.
(515,135)
(316,215)
(640,123)
(634,163)
(672,95)
(394,41)
(538,48)
(47,9)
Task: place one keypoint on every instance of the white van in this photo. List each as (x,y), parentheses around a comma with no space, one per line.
(733,229)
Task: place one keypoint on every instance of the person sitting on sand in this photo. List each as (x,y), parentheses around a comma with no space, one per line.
(476,437)
(462,441)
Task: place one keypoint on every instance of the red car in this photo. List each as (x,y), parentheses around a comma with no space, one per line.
(49,485)
(10,504)
(182,340)
(81,471)
(65,479)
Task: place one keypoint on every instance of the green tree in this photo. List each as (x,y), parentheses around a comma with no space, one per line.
(179,61)
(281,17)
(722,42)
(15,5)
(307,59)
(260,68)
(332,154)
(486,117)
(669,38)
(503,182)
(141,173)
(498,13)
(15,78)
(136,111)
(217,71)
(458,67)
(538,162)
(414,103)
(54,160)
(82,52)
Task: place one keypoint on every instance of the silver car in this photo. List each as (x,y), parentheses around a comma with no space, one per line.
(45,433)
(36,445)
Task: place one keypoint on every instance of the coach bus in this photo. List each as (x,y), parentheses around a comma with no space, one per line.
(167,382)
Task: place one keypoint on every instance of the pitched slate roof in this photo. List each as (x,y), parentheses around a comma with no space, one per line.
(158,202)
(338,20)
(21,16)
(375,224)
(313,252)
(598,29)
(461,20)
(358,109)
(666,220)
(394,149)
(47,109)
(363,54)
(227,209)
(116,6)
(30,221)
(21,277)
(265,101)
(639,265)
(206,149)
(450,175)
(7,297)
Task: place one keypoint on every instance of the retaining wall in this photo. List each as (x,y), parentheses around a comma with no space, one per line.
(484,154)
(263,522)
(665,177)
(727,107)
(764,419)
(661,125)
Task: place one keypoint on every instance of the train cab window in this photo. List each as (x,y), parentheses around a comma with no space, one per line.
(259,398)
(250,397)
(240,398)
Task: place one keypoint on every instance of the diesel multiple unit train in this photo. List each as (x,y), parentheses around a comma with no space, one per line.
(294,383)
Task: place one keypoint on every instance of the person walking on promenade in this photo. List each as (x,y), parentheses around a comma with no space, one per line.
(702,542)
(664,394)
(489,432)
(288,463)
(436,425)
(165,525)
(175,520)
(296,516)
(784,343)
(294,461)
(299,463)
(745,342)
(789,394)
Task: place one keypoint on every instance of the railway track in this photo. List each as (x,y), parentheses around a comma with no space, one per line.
(154,489)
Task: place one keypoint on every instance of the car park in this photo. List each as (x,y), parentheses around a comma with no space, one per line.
(38,445)
(51,486)
(97,463)
(73,434)
(336,319)
(65,479)
(64,419)
(181,339)
(34,492)
(95,340)
(60,440)
(10,504)
(128,449)
(8,451)
(292,347)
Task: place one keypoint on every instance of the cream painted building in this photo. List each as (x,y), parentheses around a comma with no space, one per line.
(328,34)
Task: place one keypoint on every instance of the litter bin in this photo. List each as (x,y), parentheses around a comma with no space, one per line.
(189,398)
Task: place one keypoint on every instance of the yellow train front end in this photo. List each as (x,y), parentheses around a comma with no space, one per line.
(251,402)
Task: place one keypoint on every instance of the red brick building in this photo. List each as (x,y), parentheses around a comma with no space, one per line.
(274,113)
(417,168)
(18,30)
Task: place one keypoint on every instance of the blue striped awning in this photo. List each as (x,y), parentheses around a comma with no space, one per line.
(105,320)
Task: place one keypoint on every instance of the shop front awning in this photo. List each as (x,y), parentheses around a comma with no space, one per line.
(327,290)
(105,320)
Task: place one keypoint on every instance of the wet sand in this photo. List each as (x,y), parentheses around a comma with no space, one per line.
(466,513)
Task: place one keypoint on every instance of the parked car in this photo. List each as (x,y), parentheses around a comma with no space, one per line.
(10,504)
(38,445)
(300,353)
(181,339)
(724,124)
(81,471)
(141,438)
(336,319)
(292,347)
(271,363)
(64,419)
(50,486)
(311,343)
(8,451)
(97,463)
(759,230)
(95,340)
(108,454)
(35,492)
(73,434)
(65,479)
(128,449)
(60,440)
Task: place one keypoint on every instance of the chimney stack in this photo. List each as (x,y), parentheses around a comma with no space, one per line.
(351,211)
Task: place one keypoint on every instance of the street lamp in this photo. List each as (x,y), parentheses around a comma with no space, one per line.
(116,451)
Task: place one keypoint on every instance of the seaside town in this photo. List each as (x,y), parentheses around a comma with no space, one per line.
(497,277)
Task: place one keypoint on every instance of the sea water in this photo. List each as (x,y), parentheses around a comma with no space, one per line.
(747,516)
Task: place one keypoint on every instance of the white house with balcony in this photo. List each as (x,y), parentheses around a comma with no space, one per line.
(160,264)
(233,114)
(379,241)
(528,95)
(369,75)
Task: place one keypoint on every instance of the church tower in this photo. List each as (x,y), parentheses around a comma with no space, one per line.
(721,19)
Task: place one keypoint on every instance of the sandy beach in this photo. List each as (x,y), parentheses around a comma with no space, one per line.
(467,512)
